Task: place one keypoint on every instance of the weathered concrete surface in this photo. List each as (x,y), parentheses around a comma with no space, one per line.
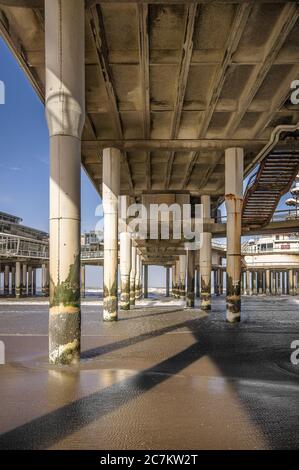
(160,378)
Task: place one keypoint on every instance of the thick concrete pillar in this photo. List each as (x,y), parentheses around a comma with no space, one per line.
(218,280)
(197,288)
(65,110)
(125,256)
(111,190)
(133,275)
(172,280)
(44,279)
(275,283)
(271,282)
(177,279)
(183,262)
(18,280)
(248,285)
(291,287)
(215,282)
(13,281)
(24,280)
(30,271)
(83,281)
(206,258)
(6,280)
(167,281)
(242,283)
(34,281)
(283,284)
(267,282)
(260,282)
(254,282)
(279,290)
(294,281)
(137,277)
(190,299)
(221,282)
(234,161)
(145,281)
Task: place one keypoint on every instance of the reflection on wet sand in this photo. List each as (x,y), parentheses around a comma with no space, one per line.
(164,378)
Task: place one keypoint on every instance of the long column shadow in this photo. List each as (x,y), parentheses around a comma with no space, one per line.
(148,315)
(249,361)
(105,349)
(45,431)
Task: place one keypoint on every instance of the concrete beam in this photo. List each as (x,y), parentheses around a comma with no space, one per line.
(178,145)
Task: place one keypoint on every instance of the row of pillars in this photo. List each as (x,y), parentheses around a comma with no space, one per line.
(270,282)
(188,287)
(65,112)
(131,278)
(20,280)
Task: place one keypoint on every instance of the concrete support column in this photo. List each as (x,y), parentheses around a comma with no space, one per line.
(283,287)
(133,275)
(13,281)
(34,281)
(234,161)
(111,189)
(215,281)
(137,277)
(30,271)
(183,260)
(271,282)
(177,280)
(218,280)
(221,282)
(206,258)
(6,280)
(125,256)
(260,282)
(24,281)
(145,281)
(172,280)
(65,111)
(197,283)
(44,279)
(190,298)
(267,282)
(291,286)
(294,279)
(254,286)
(83,281)
(167,281)
(248,285)
(274,282)
(279,283)
(242,283)
(18,280)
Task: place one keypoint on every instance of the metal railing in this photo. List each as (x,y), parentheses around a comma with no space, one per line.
(16,246)
(287,214)
(85,254)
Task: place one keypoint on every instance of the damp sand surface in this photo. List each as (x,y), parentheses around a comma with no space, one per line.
(162,377)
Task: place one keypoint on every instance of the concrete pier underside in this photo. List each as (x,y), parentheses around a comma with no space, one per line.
(160,378)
